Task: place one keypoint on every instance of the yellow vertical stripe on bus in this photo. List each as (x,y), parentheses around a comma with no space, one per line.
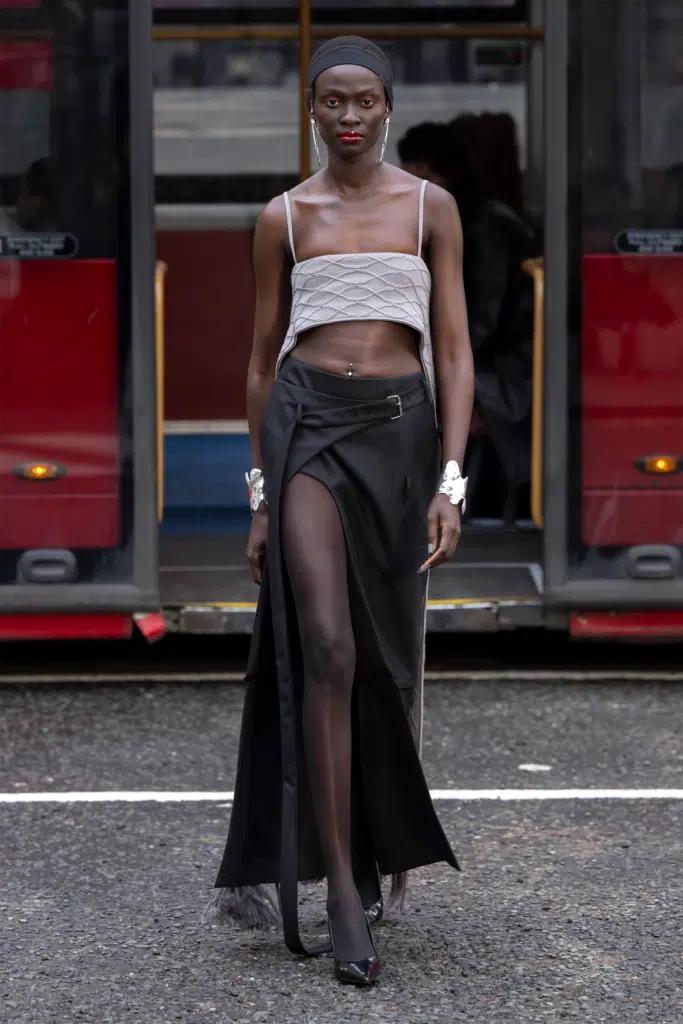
(535,269)
(159,278)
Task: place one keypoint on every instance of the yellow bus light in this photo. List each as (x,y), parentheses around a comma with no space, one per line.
(660,464)
(39,471)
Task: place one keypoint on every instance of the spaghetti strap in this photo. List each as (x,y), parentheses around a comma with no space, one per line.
(420,217)
(290,229)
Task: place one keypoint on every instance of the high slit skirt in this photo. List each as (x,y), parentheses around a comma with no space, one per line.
(373,443)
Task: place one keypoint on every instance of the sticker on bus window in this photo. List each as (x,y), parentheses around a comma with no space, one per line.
(53,245)
(664,242)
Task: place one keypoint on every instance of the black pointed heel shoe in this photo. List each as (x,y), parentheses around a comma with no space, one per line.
(355,972)
(375,912)
(369,885)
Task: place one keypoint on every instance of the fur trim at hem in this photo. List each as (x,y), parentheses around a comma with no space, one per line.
(397,893)
(249,907)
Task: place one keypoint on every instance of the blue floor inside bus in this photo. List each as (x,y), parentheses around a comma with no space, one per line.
(192,522)
(205,491)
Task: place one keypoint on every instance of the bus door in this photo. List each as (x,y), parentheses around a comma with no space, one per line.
(78,524)
(232,132)
(614,315)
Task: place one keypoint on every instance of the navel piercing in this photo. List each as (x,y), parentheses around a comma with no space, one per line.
(349,372)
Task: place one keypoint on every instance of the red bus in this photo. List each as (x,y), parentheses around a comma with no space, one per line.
(78,529)
(123,439)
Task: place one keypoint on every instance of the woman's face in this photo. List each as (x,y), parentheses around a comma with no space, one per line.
(350,108)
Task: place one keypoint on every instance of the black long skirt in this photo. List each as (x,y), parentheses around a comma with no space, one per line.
(373,443)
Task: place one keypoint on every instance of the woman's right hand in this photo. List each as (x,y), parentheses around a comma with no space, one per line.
(256,545)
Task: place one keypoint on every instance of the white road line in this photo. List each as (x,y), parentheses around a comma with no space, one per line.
(556,794)
(432,676)
(456,795)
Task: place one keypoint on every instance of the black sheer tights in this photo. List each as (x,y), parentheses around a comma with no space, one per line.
(315,559)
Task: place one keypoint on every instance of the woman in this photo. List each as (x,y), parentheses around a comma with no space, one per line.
(342,411)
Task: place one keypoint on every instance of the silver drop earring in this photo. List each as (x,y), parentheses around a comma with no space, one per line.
(384,142)
(315,141)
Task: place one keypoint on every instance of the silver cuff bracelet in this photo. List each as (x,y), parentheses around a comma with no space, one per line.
(257,488)
(453,484)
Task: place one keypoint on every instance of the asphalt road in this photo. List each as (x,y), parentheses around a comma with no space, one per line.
(566,909)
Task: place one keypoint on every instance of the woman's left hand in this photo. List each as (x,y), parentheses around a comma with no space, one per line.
(443,525)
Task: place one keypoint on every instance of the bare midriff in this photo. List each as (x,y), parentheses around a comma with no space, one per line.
(361,348)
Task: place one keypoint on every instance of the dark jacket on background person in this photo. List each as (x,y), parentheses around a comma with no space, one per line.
(499,293)
(500,312)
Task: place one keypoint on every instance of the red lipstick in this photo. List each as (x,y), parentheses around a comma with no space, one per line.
(350,137)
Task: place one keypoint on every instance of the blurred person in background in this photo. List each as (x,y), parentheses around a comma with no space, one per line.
(499,158)
(493,146)
(668,206)
(35,203)
(467,128)
(499,295)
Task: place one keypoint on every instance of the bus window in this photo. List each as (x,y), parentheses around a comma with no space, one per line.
(227,110)
(625,285)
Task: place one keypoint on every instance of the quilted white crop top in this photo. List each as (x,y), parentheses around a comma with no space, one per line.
(392,286)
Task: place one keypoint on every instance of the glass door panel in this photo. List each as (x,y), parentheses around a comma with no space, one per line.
(225,119)
(72,304)
(621,450)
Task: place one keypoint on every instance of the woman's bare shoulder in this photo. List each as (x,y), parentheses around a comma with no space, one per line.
(442,217)
(273,216)
(439,199)
(401,186)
